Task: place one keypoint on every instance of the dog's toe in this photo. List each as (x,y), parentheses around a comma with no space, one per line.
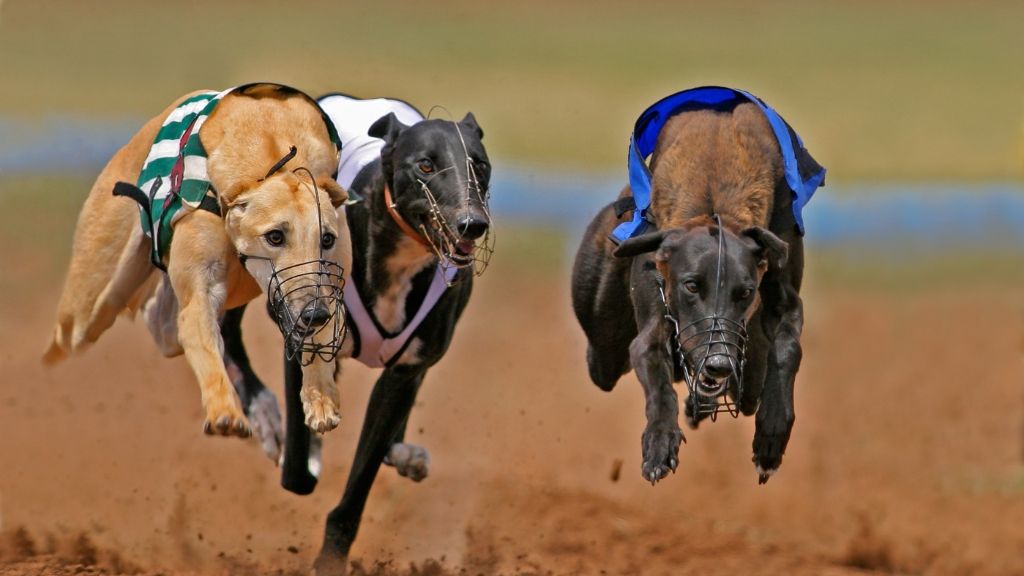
(660,451)
(321,414)
(226,422)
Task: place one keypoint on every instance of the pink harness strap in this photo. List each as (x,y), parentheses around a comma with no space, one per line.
(375,350)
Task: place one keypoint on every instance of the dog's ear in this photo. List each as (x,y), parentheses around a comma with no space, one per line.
(337,194)
(771,250)
(469,122)
(640,245)
(233,199)
(387,128)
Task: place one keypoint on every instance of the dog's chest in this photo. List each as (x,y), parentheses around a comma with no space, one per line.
(389,305)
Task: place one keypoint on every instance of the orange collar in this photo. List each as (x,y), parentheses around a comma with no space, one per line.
(409,230)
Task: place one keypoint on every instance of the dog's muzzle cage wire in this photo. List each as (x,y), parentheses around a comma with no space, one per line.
(325,281)
(444,239)
(699,341)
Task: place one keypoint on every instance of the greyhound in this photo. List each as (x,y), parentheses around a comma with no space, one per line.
(419,233)
(243,178)
(694,272)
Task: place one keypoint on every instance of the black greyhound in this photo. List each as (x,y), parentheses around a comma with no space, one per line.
(712,296)
(428,174)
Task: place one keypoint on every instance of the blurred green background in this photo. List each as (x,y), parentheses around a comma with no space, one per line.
(917,90)
(883,93)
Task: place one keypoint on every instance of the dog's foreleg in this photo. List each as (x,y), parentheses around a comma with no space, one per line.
(321,401)
(393,397)
(775,416)
(198,272)
(756,365)
(653,364)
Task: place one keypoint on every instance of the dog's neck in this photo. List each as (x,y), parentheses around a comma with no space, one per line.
(387,257)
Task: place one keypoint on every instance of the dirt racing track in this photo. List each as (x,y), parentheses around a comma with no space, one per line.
(906,456)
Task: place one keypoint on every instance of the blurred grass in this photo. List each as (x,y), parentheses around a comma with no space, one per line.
(38,216)
(880,90)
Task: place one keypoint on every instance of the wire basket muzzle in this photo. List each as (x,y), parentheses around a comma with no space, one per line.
(713,338)
(316,329)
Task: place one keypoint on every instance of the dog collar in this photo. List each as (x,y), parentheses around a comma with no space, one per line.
(803,174)
(402,224)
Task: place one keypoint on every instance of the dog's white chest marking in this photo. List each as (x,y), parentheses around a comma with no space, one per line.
(408,260)
(412,352)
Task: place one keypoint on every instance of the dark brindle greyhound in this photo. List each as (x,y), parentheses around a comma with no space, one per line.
(416,235)
(704,283)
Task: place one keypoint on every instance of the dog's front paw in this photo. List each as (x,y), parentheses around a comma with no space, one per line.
(660,450)
(409,460)
(770,439)
(224,417)
(321,411)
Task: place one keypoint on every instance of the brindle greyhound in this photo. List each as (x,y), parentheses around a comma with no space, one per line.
(712,295)
(430,171)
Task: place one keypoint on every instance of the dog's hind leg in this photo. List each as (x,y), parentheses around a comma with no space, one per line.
(601,301)
(409,460)
(133,268)
(259,403)
(198,273)
(393,397)
(106,227)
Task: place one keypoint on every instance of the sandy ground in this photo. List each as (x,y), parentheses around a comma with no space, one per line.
(906,457)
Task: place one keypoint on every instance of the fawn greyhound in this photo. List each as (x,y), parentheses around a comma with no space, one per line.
(243,180)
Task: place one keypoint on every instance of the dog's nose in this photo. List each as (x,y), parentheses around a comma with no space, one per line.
(315,316)
(471,228)
(718,367)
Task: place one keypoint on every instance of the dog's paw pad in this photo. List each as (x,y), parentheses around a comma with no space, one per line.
(409,460)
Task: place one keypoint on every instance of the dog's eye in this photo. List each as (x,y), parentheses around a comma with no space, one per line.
(274,237)
(425,166)
(691,287)
(327,241)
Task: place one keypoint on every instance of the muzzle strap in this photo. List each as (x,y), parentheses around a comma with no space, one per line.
(402,224)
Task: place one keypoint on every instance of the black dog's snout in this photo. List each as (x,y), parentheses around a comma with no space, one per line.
(471,228)
(718,367)
(315,316)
